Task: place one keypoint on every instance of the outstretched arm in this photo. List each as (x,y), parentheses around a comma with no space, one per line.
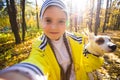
(13,75)
(22,71)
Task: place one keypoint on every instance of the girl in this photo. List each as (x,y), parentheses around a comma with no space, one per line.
(57,54)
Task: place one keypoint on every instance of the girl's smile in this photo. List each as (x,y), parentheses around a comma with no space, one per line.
(54,33)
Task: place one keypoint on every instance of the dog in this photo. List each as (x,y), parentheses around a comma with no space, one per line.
(98,45)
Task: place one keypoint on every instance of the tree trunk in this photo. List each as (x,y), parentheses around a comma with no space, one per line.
(75,23)
(106,17)
(23,19)
(91,15)
(118,19)
(97,23)
(118,22)
(109,12)
(71,24)
(71,19)
(37,17)
(13,20)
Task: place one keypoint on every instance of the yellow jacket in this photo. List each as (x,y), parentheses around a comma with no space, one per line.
(43,57)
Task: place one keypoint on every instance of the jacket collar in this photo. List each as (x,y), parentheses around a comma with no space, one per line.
(44,39)
(74,37)
(43,42)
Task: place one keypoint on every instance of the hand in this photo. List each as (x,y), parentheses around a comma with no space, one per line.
(13,75)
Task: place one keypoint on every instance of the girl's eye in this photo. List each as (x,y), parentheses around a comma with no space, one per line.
(48,21)
(110,40)
(61,21)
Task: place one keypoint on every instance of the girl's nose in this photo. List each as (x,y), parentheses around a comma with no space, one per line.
(53,26)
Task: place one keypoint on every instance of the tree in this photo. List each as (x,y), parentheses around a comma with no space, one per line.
(91,15)
(37,17)
(13,19)
(76,23)
(97,19)
(106,17)
(117,24)
(114,20)
(23,19)
(1,4)
(4,19)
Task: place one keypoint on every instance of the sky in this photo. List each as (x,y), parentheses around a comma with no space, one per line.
(80,3)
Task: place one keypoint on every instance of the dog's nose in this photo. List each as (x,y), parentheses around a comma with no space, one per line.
(113,47)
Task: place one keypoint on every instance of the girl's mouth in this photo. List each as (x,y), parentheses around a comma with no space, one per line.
(54,32)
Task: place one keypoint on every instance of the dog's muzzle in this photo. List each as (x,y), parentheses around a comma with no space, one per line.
(112,47)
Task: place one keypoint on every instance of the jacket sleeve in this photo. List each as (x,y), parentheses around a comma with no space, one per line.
(91,61)
(36,59)
(36,56)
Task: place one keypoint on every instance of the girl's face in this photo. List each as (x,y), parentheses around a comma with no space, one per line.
(54,22)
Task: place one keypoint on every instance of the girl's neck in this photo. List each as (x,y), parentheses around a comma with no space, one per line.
(59,39)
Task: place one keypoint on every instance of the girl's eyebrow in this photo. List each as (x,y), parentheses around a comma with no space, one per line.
(47,18)
(58,18)
(62,18)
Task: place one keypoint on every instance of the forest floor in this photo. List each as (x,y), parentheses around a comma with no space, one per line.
(11,54)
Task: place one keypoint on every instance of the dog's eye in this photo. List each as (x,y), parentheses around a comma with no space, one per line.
(110,40)
(100,41)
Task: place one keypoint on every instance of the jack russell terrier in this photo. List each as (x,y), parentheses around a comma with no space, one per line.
(98,45)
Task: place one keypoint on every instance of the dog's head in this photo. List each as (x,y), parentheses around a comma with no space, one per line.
(102,42)
(105,43)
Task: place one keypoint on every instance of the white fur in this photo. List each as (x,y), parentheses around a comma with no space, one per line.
(97,49)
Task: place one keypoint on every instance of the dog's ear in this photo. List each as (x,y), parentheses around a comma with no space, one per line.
(91,36)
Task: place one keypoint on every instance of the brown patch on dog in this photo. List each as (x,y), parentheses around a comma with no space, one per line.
(100,41)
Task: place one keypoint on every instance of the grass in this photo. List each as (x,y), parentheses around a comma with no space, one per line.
(10,53)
